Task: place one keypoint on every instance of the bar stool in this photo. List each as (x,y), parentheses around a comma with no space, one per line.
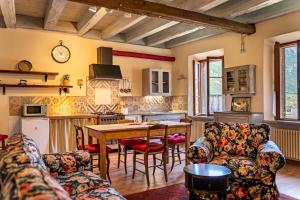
(93,149)
(125,145)
(3,137)
(152,148)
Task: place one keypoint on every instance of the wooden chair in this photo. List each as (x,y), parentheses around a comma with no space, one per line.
(152,148)
(125,145)
(3,137)
(175,141)
(93,149)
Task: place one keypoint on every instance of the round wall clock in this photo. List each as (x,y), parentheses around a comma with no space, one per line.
(61,53)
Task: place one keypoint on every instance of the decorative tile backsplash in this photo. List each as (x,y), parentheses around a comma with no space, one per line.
(84,105)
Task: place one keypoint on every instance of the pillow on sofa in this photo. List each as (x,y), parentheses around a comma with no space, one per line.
(82,181)
(64,164)
(236,139)
(21,152)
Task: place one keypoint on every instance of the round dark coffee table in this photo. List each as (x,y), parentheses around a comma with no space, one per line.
(207,178)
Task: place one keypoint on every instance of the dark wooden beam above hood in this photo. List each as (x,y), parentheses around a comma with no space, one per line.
(147,8)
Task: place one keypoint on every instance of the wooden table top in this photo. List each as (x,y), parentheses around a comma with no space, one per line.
(132,126)
(207,170)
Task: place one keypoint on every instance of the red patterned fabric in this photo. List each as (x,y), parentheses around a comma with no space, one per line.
(3,136)
(152,147)
(95,148)
(176,139)
(129,143)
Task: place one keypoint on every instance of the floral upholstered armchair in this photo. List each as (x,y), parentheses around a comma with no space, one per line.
(247,151)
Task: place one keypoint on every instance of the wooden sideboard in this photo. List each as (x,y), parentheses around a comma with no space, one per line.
(239,117)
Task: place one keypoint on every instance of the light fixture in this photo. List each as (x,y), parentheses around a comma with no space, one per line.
(80,83)
(93,9)
(243,48)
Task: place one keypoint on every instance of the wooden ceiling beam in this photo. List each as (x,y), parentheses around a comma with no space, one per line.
(171,33)
(142,7)
(121,25)
(203,33)
(89,20)
(54,10)
(9,13)
(155,26)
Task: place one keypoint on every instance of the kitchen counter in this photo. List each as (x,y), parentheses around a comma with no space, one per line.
(156,116)
(73,116)
(157,113)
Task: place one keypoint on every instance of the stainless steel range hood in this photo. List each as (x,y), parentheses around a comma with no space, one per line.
(104,69)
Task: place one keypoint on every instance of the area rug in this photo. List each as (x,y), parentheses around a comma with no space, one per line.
(173,192)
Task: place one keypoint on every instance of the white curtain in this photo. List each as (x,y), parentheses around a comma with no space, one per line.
(63,135)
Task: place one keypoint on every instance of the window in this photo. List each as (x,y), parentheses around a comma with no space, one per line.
(287,80)
(208,86)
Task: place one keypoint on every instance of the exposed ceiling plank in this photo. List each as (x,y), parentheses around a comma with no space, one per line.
(142,7)
(209,4)
(235,8)
(90,20)
(120,25)
(54,10)
(9,13)
(149,29)
(158,25)
(275,10)
(37,23)
(171,33)
(193,37)
(229,9)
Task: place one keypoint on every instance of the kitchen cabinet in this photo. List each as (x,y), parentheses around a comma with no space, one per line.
(240,80)
(239,117)
(164,117)
(156,82)
(38,129)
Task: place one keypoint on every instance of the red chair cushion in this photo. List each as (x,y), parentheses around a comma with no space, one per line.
(152,147)
(176,139)
(129,143)
(3,136)
(95,148)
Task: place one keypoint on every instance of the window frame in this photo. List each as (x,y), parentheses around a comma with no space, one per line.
(278,77)
(207,61)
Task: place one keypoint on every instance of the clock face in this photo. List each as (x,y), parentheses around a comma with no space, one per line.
(61,54)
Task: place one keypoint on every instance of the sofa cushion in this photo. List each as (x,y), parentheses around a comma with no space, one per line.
(67,163)
(32,183)
(82,181)
(236,139)
(99,193)
(152,147)
(242,168)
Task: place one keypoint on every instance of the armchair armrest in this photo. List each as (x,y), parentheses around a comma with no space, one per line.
(269,157)
(201,151)
(63,164)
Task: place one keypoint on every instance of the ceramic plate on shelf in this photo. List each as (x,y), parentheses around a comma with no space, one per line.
(24,66)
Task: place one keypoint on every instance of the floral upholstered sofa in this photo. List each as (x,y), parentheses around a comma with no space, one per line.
(247,151)
(26,174)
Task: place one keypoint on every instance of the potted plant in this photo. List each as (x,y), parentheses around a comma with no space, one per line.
(66,79)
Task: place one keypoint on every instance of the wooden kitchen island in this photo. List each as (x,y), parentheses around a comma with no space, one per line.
(120,131)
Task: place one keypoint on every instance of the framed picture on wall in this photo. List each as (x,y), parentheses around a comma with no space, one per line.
(241,104)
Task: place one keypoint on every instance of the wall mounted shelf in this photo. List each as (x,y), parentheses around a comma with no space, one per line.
(60,87)
(45,74)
